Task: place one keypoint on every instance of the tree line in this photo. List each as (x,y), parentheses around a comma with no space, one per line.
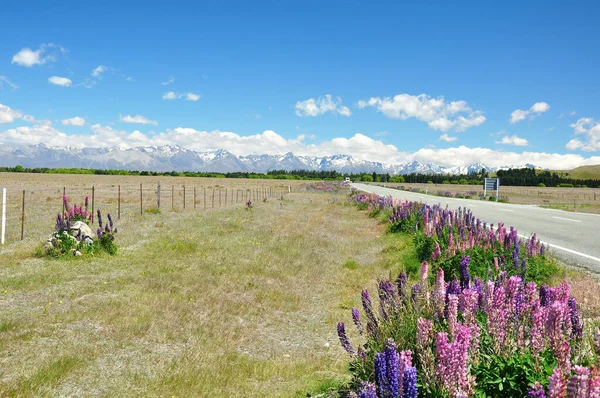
(511,177)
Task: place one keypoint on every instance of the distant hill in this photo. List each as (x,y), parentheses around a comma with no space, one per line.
(581,173)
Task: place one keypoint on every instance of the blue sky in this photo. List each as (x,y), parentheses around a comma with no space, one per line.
(443,82)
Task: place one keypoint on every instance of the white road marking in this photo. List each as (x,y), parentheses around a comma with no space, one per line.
(566,219)
(551,246)
(512,211)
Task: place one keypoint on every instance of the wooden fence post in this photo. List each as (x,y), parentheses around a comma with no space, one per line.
(93,201)
(141,206)
(158,196)
(119,204)
(23,216)
(63,200)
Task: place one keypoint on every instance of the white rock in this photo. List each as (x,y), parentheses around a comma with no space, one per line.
(77,253)
(79,229)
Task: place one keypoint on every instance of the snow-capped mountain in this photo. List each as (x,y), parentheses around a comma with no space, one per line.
(176,158)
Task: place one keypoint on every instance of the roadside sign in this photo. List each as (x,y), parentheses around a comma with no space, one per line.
(491,184)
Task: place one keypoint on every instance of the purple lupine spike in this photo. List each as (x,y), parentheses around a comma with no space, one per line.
(356,319)
(99,232)
(536,391)
(544,295)
(380,374)
(367,390)
(341,330)
(464,272)
(401,283)
(542,250)
(116,230)
(362,354)
(99,218)
(106,228)
(372,325)
(415,290)
(86,203)
(576,326)
(409,383)
(392,367)
(110,221)
(479,289)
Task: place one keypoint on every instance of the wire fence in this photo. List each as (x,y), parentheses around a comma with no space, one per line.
(30,211)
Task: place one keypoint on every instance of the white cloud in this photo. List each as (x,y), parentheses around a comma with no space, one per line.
(171,95)
(322,105)
(97,73)
(32,120)
(46,53)
(60,81)
(191,97)
(436,112)
(136,119)
(447,138)
(74,121)
(269,142)
(513,140)
(4,80)
(171,80)
(536,109)
(8,115)
(561,116)
(572,113)
(591,129)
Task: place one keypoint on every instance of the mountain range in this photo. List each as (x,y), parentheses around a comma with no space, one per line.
(176,158)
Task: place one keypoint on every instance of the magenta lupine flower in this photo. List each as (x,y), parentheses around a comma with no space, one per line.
(469,304)
(558,316)
(86,203)
(424,272)
(451,369)
(497,319)
(437,252)
(439,294)
(367,390)
(579,384)
(424,332)
(409,385)
(452,314)
(536,391)
(356,319)
(538,326)
(557,388)
(341,330)
(594,382)
(577,327)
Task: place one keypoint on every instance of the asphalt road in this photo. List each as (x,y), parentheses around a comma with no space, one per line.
(573,237)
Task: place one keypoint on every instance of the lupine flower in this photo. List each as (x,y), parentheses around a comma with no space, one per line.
(464,272)
(401,283)
(99,232)
(579,384)
(372,325)
(341,330)
(409,385)
(99,218)
(415,290)
(577,328)
(424,272)
(544,295)
(367,390)
(452,314)
(392,368)
(356,319)
(437,252)
(387,298)
(536,391)
(362,354)
(439,294)
(380,374)
(110,221)
(557,388)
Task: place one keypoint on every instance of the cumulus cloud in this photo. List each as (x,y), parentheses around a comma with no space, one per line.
(60,81)
(46,53)
(33,120)
(8,115)
(572,113)
(591,130)
(74,121)
(171,95)
(322,105)
(513,140)
(167,82)
(269,142)
(4,80)
(436,112)
(137,119)
(536,109)
(99,70)
(447,138)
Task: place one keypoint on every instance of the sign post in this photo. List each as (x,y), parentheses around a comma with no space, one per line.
(491,184)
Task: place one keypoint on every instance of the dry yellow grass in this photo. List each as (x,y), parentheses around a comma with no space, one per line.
(223,302)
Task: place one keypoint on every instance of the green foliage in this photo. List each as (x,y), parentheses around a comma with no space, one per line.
(351,264)
(152,210)
(107,243)
(425,245)
(542,185)
(397,179)
(366,178)
(499,376)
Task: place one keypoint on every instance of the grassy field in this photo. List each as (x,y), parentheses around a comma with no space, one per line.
(218,302)
(582,172)
(570,199)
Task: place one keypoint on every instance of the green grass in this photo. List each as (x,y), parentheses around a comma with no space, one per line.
(582,172)
(208,303)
